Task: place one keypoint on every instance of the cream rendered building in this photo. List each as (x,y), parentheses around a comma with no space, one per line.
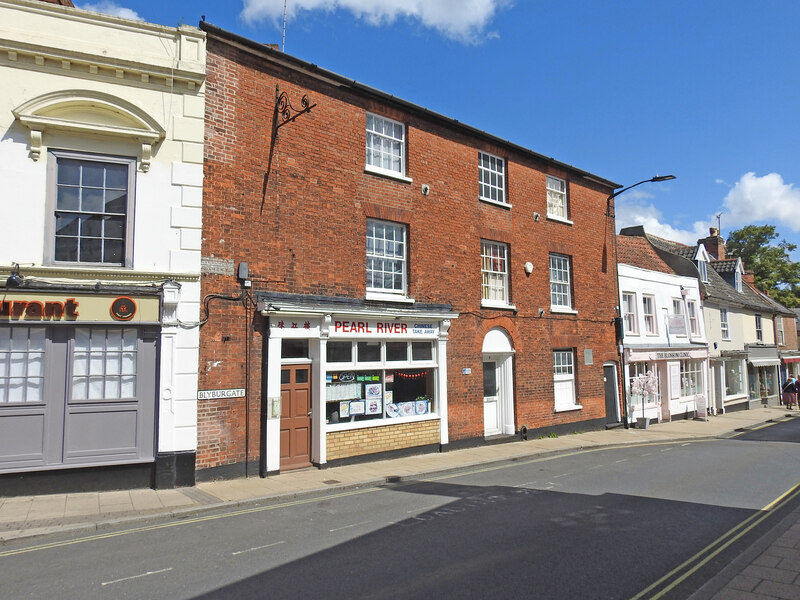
(101,168)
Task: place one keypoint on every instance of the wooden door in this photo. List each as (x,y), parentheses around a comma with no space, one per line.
(295,416)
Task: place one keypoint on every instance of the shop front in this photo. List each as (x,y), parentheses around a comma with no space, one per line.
(728,373)
(78,380)
(345,383)
(763,362)
(666,383)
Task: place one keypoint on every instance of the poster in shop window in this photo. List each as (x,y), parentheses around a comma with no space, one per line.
(358,407)
(374,406)
(373,390)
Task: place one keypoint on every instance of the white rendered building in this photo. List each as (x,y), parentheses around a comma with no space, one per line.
(101,163)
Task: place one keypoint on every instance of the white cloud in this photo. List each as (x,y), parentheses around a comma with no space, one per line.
(765,199)
(111,8)
(631,212)
(461,20)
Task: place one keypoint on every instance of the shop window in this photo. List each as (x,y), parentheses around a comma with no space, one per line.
(339,352)
(643,384)
(557,198)
(366,391)
(385,145)
(691,377)
(734,382)
(378,395)
(396,351)
(22,351)
(92,203)
(762,382)
(421,351)
(294,348)
(369,351)
(491,178)
(104,363)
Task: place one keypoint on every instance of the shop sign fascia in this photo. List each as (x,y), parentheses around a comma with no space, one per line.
(665,354)
(23,307)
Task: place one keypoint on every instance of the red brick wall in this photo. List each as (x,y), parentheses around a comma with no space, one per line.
(302,230)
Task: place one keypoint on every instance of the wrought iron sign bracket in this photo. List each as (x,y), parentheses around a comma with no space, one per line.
(285,112)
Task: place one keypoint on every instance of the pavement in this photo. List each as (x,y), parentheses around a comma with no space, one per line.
(770,568)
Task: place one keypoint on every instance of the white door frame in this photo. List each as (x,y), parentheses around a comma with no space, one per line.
(497,348)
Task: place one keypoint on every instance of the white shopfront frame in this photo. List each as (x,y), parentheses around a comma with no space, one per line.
(666,364)
(320,328)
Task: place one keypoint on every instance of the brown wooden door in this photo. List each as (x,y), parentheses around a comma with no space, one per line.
(295,416)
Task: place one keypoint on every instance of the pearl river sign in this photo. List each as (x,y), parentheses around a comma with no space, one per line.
(52,308)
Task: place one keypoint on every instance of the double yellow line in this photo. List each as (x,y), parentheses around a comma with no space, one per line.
(686,569)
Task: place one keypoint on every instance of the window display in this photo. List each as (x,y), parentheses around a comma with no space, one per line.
(355,396)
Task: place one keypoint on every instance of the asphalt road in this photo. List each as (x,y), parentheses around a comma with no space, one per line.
(649,521)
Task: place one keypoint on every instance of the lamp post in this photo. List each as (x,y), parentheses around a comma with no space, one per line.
(610,212)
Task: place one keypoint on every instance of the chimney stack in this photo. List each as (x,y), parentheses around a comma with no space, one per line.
(714,244)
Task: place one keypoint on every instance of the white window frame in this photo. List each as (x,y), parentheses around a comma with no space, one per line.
(703,268)
(560,283)
(377,257)
(564,388)
(759,328)
(650,320)
(629,314)
(495,277)
(691,373)
(557,200)
(737,281)
(492,179)
(694,319)
(724,326)
(635,369)
(779,331)
(385,150)
(738,371)
(52,230)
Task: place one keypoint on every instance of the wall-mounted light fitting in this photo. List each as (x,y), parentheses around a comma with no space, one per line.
(426,189)
(541,312)
(536,217)
(528,268)
(15,280)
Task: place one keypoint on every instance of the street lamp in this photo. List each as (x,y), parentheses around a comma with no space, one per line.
(655,179)
(620,326)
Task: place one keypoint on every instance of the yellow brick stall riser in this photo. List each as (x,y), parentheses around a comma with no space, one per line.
(356,442)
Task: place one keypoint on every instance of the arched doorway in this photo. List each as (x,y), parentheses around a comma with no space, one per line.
(498,384)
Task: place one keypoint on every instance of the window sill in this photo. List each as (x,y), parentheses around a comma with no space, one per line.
(499,305)
(495,202)
(563,310)
(568,408)
(387,173)
(331,427)
(381,297)
(559,219)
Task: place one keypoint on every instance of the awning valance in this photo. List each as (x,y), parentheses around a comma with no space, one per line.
(764,362)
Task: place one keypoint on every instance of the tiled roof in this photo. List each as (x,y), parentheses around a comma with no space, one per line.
(673,247)
(725,266)
(717,290)
(637,252)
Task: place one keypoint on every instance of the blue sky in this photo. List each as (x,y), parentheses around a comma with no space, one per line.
(626,89)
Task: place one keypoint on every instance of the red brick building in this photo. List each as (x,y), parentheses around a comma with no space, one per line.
(410,283)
